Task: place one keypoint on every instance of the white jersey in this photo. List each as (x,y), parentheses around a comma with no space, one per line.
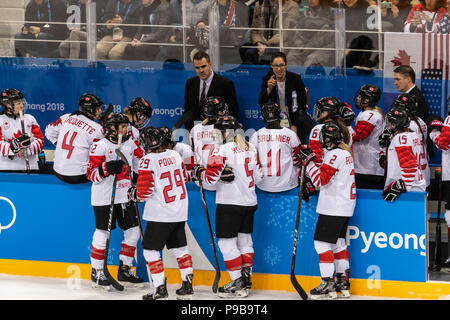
(278,156)
(402,155)
(247,173)
(205,144)
(11,129)
(366,148)
(134,135)
(421,130)
(101,152)
(336,180)
(73,136)
(162,184)
(186,154)
(442,141)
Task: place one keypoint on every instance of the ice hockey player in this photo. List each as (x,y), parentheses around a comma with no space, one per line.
(409,103)
(183,149)
(366,148)
(166,212)
(236,203)
(402,169)
(337,198)
(203,135)
(440,135)
(103,167)
(15,145)
(73,135)
(277,149)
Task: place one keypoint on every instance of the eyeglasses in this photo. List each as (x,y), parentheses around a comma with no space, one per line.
(278,66)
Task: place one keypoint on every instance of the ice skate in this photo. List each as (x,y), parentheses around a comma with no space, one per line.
(160,294)
(325,290)
(342,285)
(99,280)
(446,265)
(233,289)
(186,291)
(246,277)
(126,277)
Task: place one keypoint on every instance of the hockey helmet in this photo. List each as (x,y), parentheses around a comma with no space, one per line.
(111,126)
(331,105)
(213,107)
(7,101)
(270,112)
(89,104)
(367,96)
(396,119)
(407,101)
(139,112)
(330,135)
(150,138)
(347,114)
(166,137)
(228,125)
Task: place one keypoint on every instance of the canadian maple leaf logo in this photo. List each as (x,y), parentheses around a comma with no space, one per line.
(403,58)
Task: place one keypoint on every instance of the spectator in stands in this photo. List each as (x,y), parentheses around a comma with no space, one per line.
(118,14)
(266,15)
(425,16)
(394,14)
(444,27)
(320,17)
(44,20)
(153,13)
(194,11)
(232,14)
(74,47)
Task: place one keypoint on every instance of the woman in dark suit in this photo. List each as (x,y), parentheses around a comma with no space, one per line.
(287,90)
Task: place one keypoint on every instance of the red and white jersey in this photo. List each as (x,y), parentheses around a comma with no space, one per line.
(74,136)
(246,169)
(101,152)
(186,154)
(205,144)
(421,130)
(442,141)
(366,148)
(162,184)
(11,129)
(314,144)
(336,180)
(402,155)
(278,156)
(133,133)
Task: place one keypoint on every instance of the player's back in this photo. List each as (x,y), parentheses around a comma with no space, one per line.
(162,176)
(277,153)
(76,135)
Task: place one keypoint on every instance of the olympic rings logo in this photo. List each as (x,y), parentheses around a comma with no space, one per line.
(14,215)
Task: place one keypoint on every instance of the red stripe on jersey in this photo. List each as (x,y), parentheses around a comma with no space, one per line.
(326,257)
(145,184)
(156,266)
(296,158)
(185,261)
(92,170)
(342,255)
(406,157)
(56,123)
(214,168)
(363,129)
(326,173)
(315,146)
(127,250)
(97,254)
(443,140)
(234,265)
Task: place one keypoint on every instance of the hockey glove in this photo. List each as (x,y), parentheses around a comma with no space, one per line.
(308,189)
(20,143)
(435,123)
(394,190)
(306,155)
(227,175)
(132,194)
(114,166)
(382,161)
(385,138)
(197,172)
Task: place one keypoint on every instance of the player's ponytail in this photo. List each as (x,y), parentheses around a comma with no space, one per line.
(240,141)
(379,111)
(344,130)
(345,147)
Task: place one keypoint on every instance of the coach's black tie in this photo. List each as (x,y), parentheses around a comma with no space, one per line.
(203,95)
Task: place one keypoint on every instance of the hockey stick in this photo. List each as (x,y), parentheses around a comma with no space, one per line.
(22,123)
(211,235)
(124,159)
(294,281)
(113,281)
(438,250)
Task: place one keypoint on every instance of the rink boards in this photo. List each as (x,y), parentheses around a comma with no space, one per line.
(46,229)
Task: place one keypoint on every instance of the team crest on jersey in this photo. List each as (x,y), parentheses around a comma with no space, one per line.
(110,152)
(6,125)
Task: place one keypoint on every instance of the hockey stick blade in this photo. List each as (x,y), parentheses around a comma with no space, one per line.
(116,285)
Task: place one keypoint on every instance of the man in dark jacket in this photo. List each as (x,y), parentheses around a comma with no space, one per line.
(287,90)
(44,20)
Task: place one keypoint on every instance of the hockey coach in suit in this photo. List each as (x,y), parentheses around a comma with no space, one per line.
(206,84)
